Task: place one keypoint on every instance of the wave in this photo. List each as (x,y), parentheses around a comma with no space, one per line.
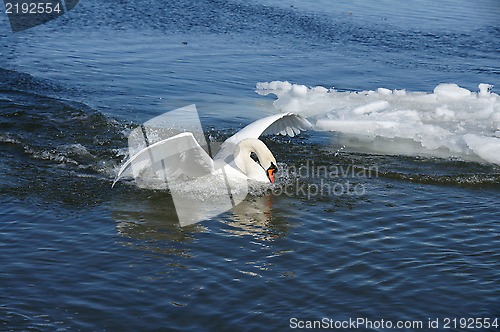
(55,149)
(450,122)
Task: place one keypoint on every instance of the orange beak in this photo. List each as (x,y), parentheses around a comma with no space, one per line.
(270,172)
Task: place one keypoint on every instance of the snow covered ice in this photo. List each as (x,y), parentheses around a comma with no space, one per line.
(450,122)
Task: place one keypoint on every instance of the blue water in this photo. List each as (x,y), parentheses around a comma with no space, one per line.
(422,241)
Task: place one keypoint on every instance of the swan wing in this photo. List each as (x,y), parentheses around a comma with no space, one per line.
(175,156)
(283,123)
(288,124)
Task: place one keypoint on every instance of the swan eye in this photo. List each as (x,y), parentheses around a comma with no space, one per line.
(270,172)
(253,155)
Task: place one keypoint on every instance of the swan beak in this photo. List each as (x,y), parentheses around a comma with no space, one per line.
(270,172)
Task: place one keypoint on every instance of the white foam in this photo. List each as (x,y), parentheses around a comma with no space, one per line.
(449,122)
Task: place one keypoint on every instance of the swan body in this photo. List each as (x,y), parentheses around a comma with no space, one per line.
(182,155)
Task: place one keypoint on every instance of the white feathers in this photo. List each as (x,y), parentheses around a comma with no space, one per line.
(182,154)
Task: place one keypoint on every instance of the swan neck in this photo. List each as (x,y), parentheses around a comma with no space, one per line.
(245,148)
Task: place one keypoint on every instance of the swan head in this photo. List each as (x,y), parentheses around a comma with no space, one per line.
(264,170)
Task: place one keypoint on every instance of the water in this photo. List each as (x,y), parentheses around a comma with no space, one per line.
(418,239)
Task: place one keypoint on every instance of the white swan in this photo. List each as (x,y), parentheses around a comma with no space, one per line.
(182,155)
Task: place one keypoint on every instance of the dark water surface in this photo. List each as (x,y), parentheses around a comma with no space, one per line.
(416,239)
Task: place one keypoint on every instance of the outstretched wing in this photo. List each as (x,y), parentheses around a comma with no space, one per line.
(284,124)
(174,156)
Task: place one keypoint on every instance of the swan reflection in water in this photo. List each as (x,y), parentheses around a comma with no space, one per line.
(254,217)
(153,217)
